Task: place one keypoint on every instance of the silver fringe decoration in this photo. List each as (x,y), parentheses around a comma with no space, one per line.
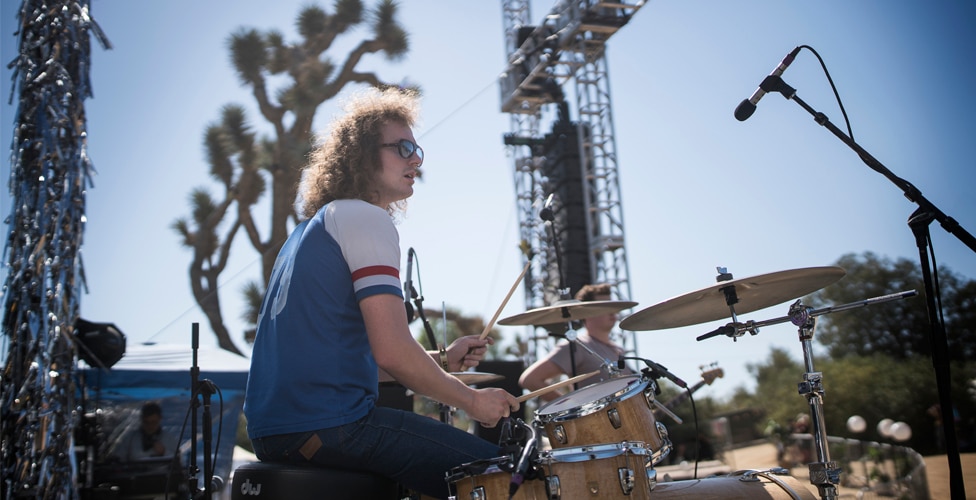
(50,171)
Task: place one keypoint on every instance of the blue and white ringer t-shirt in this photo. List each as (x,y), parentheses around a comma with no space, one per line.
(311,366)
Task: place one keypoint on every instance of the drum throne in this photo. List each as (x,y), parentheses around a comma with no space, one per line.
(296,482)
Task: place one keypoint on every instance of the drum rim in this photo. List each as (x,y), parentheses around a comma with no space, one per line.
(593,406)
(470,469)
(595,452)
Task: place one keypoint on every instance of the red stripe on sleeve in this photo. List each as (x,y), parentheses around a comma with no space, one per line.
(367,271)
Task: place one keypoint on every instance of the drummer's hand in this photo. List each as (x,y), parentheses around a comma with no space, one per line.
(492,405)
(467,352)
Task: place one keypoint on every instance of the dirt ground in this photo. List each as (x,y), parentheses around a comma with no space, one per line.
(936,470)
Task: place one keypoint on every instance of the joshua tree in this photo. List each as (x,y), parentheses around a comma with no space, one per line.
(247,166)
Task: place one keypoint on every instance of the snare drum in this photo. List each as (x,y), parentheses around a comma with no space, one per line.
(489,480)
(615,470)
(612,411)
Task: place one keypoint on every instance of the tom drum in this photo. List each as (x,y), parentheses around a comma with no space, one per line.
(615,410)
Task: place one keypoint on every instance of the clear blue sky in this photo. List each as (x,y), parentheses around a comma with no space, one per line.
(699,188)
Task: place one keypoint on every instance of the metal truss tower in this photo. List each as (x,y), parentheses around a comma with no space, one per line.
(569,46)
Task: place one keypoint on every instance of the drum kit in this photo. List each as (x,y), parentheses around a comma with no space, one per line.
(603,440)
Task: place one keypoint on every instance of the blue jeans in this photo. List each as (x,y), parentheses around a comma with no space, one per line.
(414,450)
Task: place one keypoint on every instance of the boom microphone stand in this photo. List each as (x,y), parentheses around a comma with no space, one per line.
(918,222)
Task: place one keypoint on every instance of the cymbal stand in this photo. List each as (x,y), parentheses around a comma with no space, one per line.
(447,413)
(419,301)
(736,329)
(825,473)
(549,216)
(609,367)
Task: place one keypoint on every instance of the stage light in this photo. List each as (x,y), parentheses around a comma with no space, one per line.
(101,345)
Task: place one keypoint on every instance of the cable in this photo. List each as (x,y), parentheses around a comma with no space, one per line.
(833,87)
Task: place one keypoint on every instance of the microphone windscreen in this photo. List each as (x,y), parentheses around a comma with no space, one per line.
(744,110)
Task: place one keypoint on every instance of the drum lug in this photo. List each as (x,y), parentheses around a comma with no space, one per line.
(665,450)
(559,432)
(649,397)
(553,489)
(479,493)
(662,430)
(626,477)
(614,417)
(651,478)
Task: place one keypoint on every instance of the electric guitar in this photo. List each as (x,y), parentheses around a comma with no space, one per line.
(708,377)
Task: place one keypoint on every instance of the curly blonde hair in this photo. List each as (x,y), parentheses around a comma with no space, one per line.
(344,165)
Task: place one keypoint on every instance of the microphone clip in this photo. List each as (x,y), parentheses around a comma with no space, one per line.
(524,467)
(775,83)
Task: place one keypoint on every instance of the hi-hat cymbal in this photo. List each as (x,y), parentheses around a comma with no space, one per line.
(754,293)
(565,311)
(475,378)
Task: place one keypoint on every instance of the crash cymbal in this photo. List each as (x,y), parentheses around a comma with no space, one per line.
(754,293)
(475,378)
(564,311)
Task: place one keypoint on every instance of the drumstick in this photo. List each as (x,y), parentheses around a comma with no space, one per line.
(499,311)
(525,397)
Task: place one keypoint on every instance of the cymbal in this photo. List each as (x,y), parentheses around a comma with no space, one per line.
(754,293)
(475,378)
(564,311)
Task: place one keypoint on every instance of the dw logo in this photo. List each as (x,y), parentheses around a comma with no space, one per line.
(250,489)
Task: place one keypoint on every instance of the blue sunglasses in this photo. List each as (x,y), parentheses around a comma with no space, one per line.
(406,149)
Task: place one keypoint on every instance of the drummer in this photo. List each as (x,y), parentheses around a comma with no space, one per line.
(549,368)
(333,325)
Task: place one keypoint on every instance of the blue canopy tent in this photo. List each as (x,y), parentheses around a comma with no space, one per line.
(161,373)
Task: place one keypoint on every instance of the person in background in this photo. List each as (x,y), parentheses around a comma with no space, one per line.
(557,363)
(146,441)
(801,438)
(333,324)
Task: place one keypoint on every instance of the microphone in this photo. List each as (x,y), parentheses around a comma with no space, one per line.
(408,291)
(546,212)
(747,107)
(658,369)
(664,371)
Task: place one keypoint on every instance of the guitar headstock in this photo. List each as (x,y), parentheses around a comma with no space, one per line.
(709,376)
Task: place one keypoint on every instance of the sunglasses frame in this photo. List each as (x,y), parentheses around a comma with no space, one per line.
(402,145)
